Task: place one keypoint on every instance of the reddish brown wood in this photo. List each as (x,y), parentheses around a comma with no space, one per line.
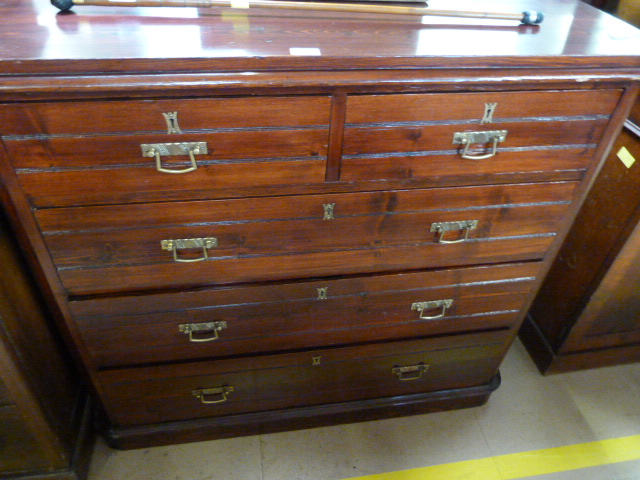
(119,117)
(336,138)
(284,317)
(345,40)
(300,417)
(589,305)
(366,122)
(307,207)
(634,116)
(507,77)
(251,234)
(283,381)
(509,167)
(258,227)
(470,106)
(201,298)
(139,184)
(361,141)
(43,412)
(385,259)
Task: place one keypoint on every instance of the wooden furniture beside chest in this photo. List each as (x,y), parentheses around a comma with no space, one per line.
(587,313)
(45,428)
(239,239)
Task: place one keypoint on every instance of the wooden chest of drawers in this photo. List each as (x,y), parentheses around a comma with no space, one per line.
(239,242)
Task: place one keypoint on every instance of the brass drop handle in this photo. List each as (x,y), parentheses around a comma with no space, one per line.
(214,394)
(422,307)
(159,150)
(188,244)
(208,329)
(443,227)
(472,138)
(410,372)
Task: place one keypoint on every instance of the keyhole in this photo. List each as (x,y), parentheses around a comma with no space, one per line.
(172,122)
(489,110)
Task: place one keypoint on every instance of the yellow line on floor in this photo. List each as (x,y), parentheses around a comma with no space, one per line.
(526,464)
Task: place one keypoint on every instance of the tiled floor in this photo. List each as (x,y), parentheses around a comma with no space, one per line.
(527,413)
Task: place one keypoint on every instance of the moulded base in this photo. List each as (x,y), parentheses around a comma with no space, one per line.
(549,361)
(297,418)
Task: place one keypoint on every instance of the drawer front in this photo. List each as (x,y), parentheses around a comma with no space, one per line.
(144,116)
(242,143)
(261,319)
(221,242)
(407,137)
(313,377)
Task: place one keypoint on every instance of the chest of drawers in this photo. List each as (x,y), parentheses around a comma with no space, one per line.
(240,241)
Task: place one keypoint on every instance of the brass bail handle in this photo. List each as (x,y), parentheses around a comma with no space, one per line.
(410,372)
(467,139)
(443,227)
(159,150)
(465,152)
(187,244)
(214,394)
(206,332)
(422,307)
(192,153)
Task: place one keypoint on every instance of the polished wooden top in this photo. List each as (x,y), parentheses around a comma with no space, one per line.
(36,38)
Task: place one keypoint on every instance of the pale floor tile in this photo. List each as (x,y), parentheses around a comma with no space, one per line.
(228,459)
(607,398)
(529,411)
(373,447)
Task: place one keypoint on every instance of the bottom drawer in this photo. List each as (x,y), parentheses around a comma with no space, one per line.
(251,384)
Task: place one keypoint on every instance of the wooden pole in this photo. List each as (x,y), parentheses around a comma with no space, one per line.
(527,18)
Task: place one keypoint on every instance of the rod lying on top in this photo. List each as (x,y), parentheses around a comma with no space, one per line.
(526,18)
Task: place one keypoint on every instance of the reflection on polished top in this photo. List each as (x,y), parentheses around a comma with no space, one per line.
(257,38)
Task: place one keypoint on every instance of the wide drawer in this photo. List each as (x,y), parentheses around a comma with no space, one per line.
(73,157)
(133,247)
(259,319)
(263,383)
(408,137)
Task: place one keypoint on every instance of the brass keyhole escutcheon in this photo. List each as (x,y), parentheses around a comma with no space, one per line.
(172,122)
(328,211)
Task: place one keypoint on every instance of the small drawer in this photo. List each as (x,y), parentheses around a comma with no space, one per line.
(260,319)
(217,153)
(135,247)
(96,118)
(443,107)
(314,377)
(456,136)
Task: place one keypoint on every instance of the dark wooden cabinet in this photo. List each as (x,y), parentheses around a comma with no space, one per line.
(45,421)
(587,313)
(239,239)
